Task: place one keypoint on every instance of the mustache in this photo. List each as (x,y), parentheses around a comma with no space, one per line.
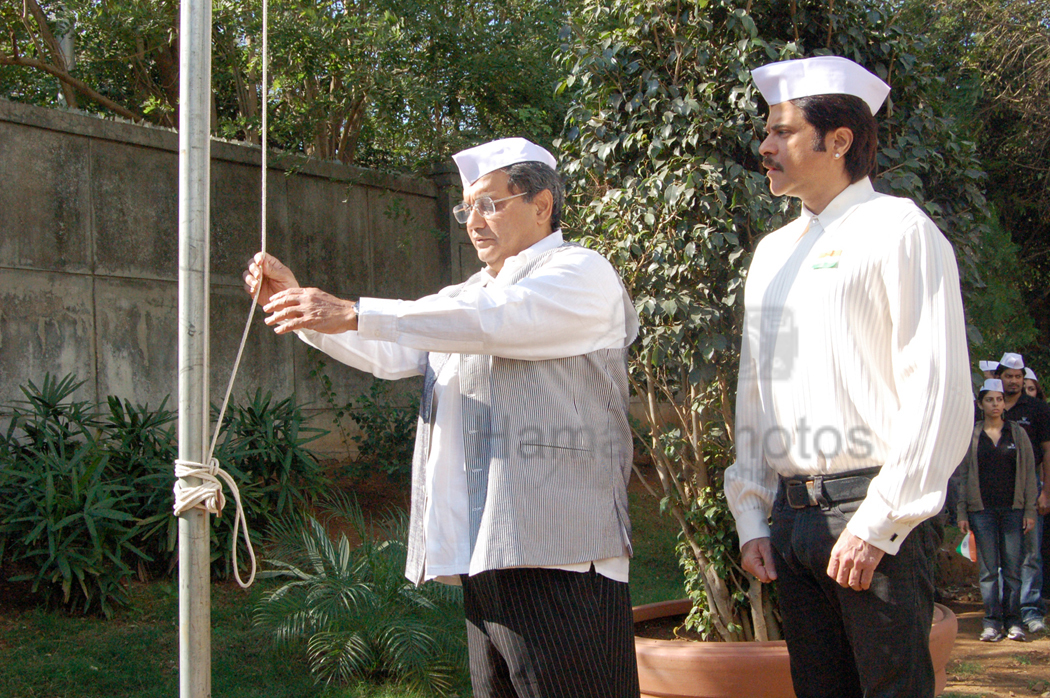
(771,164)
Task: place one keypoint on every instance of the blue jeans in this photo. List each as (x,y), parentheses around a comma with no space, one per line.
(844,643)
(998,533)
(1032,574)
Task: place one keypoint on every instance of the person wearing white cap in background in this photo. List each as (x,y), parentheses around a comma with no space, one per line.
(853,399)
(997,494)
(524,449)
(988,369)
(1034,417)
(1031,385)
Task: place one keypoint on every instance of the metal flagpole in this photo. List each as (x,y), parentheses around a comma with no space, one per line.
(194,240)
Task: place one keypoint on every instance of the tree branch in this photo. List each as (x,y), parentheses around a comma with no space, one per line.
(57,57)
(81,87)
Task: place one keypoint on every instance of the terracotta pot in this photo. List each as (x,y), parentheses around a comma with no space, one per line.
(679,669)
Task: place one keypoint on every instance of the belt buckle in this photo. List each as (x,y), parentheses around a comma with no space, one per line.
(812,493)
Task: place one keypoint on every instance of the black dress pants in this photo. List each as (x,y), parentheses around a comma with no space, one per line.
(845,643)
(540,633)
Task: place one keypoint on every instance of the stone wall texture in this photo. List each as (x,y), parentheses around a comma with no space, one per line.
(89,250)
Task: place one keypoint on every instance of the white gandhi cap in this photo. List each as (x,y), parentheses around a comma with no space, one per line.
(474,163)
(822,75)
(1030,374)
(1013,361)
(989,365)
(992,384)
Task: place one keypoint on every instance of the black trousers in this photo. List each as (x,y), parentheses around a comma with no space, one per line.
(538,633)
(845,643)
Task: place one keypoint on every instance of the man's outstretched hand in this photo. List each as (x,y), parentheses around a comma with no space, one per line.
(267,271)
(292,307)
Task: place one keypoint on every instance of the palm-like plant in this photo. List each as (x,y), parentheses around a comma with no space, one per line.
(352,609)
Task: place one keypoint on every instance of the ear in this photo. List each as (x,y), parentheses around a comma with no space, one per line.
(839,141)
(544,205)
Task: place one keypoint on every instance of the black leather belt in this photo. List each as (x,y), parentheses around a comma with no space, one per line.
(828,490)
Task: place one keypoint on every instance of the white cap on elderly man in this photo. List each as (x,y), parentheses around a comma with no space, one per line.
(474,163)
(1013,361)
(992,384)
(821,75)
(989,365)
(1030,374)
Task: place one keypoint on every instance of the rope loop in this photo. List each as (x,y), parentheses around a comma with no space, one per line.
(208,495)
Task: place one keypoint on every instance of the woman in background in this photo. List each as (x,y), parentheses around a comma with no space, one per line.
(997,490)
(1031,385)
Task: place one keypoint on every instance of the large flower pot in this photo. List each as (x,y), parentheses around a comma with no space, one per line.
(681,669)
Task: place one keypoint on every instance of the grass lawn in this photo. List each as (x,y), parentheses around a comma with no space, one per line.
(135,654)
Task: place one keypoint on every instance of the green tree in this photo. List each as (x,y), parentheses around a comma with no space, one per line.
(995,57)
(661,144)
(392,84)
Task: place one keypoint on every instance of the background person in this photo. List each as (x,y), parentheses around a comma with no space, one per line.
(879,350)
(1034,417)
(523,450)
(1031,385)
(997,484)
(988,369)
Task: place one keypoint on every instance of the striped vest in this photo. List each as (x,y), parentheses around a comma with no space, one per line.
(548,453)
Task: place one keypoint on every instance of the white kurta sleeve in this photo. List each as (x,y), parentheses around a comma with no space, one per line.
(750,484)
(382,359)
(930,364)
(574,304)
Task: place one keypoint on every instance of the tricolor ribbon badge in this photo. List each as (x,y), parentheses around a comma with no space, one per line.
(827,260)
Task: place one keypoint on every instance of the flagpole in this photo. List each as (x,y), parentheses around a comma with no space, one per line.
(194,241)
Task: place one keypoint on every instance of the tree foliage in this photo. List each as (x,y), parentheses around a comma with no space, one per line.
(995,57)
(390,83)
(661,144)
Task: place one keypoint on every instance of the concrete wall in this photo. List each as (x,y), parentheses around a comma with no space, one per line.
(89,250)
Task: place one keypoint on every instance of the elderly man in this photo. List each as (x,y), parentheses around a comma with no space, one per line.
(523,451)
(853,403)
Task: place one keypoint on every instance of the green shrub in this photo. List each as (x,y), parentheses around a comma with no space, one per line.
(62,518)
(141,446)
(388,430)
(354,613)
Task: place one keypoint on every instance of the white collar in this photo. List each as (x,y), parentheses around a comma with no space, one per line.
(856,193)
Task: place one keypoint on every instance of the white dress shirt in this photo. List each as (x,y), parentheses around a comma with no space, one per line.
(854,355)
(554,313)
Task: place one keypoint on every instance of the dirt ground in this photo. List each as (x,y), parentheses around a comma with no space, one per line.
(997,669)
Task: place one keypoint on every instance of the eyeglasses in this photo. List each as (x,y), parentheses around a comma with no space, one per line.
(484,205)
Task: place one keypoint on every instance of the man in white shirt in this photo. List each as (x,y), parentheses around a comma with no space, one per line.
(853,402)
(523,450)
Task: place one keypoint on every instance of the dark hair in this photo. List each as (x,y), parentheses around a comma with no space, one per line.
(534,177)
(1000,370)
(829,112)
(1038,389)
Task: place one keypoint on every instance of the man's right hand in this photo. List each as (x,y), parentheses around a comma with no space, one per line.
(267,270)
(756,557)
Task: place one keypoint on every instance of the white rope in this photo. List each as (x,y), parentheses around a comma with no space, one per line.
(208,494)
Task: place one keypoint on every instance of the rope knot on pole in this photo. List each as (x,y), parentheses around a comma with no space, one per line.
(208,495)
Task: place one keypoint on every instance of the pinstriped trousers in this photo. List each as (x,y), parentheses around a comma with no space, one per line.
(541,633)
